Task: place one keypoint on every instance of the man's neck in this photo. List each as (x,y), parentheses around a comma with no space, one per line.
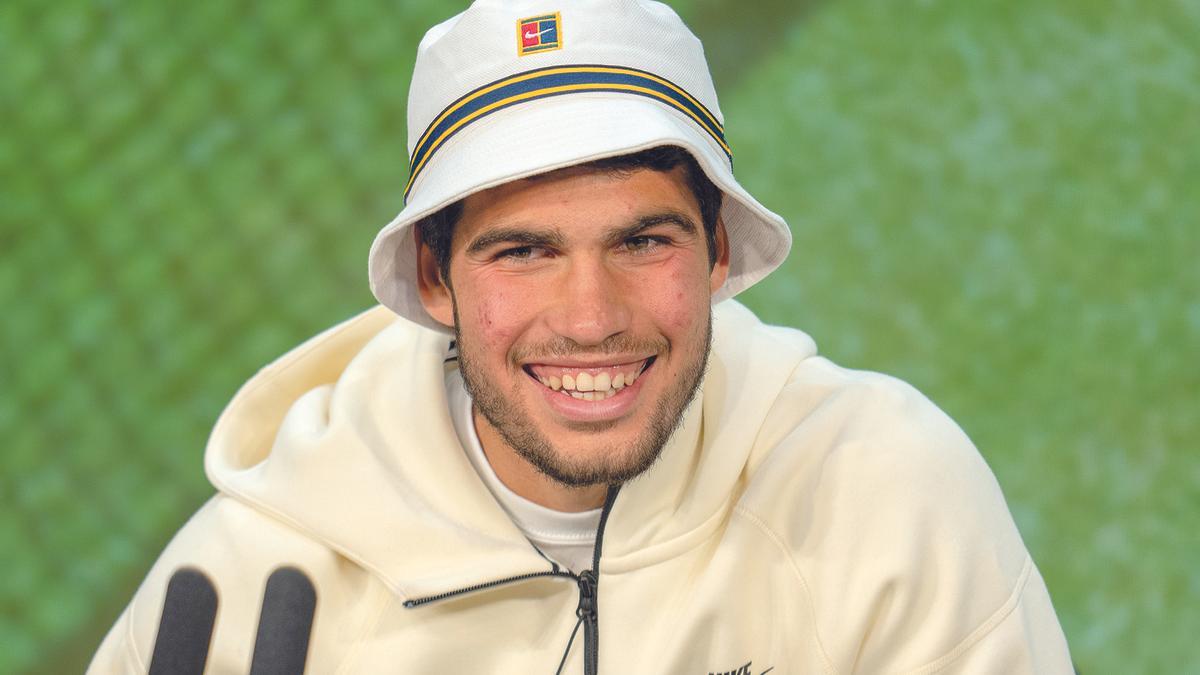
(521,477)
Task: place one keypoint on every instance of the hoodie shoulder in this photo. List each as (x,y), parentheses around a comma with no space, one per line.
(889,514)
(236,547)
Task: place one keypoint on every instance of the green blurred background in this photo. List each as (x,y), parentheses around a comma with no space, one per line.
(998,201)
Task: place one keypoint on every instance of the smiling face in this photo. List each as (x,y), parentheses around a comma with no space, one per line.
(581,302)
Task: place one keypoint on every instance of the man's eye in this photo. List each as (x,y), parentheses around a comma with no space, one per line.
(643,244)
(522,253)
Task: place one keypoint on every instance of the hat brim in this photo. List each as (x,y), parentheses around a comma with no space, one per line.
(554,133)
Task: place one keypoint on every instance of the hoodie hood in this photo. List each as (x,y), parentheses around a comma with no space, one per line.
(348,438)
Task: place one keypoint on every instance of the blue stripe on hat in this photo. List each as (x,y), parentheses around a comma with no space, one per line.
(556,81)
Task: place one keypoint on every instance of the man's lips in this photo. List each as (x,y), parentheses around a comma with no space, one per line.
(589,382)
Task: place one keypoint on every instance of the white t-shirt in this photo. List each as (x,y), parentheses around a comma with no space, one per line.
(566,538)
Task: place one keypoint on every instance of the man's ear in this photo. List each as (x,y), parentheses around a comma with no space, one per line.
(720,266)
(435,292)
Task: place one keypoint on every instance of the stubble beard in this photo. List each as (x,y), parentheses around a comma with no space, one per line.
(604,464)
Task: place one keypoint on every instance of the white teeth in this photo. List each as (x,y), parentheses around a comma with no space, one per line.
(583,382)
(589,387)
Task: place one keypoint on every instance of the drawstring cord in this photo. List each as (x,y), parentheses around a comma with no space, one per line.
(567,651)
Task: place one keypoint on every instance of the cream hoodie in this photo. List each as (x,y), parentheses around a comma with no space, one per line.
(805,518)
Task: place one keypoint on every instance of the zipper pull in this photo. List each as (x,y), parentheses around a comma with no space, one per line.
(587,596)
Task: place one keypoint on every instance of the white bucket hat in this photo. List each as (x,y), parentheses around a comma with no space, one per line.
(509,89)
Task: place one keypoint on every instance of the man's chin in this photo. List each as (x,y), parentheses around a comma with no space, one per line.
(605,465)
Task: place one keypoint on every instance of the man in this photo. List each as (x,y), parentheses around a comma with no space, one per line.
(604,470)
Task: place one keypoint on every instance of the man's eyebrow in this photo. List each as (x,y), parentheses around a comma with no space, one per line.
(680,221)
(519,236)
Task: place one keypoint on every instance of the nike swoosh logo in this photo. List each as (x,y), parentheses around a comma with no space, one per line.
(530,36)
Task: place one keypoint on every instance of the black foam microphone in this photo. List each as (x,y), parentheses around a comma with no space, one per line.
(185,629)
(284,626)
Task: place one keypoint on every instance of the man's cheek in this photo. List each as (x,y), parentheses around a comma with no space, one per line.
(681,307)
(497,321)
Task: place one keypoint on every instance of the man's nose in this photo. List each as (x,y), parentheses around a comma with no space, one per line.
(591,303)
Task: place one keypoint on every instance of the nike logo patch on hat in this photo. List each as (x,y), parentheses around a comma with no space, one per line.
(539,34)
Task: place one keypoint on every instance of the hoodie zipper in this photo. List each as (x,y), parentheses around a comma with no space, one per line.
(589,587)
(417,602)
(588,581)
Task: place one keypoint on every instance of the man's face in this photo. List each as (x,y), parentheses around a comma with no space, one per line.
(581,302)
